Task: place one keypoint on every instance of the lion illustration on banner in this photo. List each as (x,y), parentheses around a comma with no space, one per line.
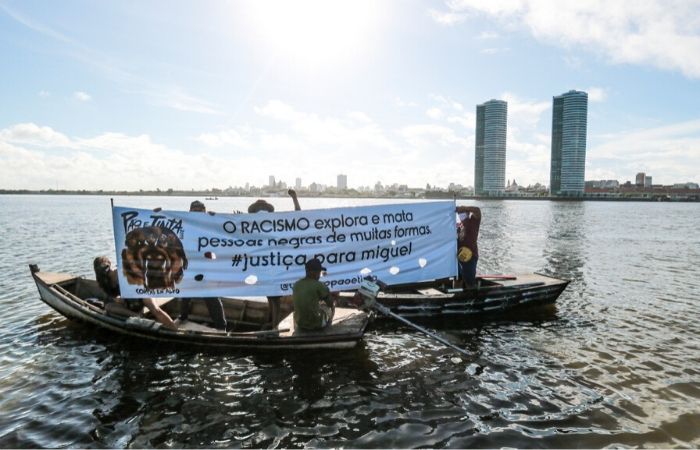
(153,258)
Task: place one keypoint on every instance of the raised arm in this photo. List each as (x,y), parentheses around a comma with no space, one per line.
(292,193)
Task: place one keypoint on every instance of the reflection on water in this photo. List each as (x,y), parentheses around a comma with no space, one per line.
(564,249)
(614,363)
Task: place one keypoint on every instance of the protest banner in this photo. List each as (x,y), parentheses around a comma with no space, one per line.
(193,254)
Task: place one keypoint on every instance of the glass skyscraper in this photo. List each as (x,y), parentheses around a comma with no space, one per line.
(569,122)
(490,153)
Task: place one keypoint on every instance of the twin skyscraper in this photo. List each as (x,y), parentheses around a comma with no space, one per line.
(568,163)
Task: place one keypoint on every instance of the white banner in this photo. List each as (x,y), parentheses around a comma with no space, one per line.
(194,254)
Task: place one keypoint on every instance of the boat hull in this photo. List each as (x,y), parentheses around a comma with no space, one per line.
(54,290)
(433,300)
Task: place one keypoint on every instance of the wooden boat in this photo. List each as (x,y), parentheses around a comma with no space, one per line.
(492,295)
(250,323)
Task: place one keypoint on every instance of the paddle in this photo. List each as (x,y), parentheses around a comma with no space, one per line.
(369,290)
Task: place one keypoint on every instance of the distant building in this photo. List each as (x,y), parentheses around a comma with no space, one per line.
(490,151)
(512,187)
(602,184)
(271,181)
(686,186)
(647,181)
(639,179)
(569,123)
(342,182)
(297,183)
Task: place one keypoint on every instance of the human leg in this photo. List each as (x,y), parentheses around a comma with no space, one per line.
(216,311)
(327,312)
(161,316)
(273,303)
(185,305)
(468,271)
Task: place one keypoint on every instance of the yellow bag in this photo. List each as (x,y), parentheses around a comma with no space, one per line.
(464,254)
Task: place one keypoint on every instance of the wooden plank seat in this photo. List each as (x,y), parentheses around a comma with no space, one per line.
(341,320)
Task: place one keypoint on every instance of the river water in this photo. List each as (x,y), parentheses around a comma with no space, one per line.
(615,362)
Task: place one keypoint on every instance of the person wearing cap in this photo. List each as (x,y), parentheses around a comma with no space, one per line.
(214,305)
(313,305)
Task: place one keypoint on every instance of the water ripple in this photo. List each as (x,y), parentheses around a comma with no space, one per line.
(614,364)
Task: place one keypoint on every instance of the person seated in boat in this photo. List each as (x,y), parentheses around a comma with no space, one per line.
(214,305)
(313,303)
(106,276)
(467,249)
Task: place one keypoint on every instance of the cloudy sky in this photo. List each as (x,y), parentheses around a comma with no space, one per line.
(174,94)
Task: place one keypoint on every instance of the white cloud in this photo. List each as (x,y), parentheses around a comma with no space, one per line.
(33,134)
(425,136)
(175,98)
(447,101)
(359,116)
(82,96)
(494,50)
(403,103)
(44,94)
(670,153)
(286,142)
(155,90)
(225,138)
(664,34)
(523,113)
(596,94)
(486,35)
(467,120)
(434,113)
(447,18)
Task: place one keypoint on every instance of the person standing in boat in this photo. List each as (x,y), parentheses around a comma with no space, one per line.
(106,277)
(313,305)
(467,248)
(214,305)
(263,206)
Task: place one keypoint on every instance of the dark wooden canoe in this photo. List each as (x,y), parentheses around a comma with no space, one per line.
(436,298)
(250,322)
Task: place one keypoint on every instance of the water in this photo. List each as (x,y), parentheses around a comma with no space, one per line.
(617,362)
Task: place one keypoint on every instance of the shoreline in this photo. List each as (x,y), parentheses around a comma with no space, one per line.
(427,196)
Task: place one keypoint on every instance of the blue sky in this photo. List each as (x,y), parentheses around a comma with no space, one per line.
(175,94)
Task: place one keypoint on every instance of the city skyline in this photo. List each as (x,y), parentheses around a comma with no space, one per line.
(147,95)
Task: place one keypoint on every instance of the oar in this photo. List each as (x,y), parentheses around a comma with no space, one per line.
(387,312)
(369,289)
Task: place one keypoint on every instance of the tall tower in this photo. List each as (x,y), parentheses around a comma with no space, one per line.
(569,123)
(271,181)
(490,152)
(342,182)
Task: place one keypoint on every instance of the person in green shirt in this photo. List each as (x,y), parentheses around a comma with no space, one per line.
(313,305)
